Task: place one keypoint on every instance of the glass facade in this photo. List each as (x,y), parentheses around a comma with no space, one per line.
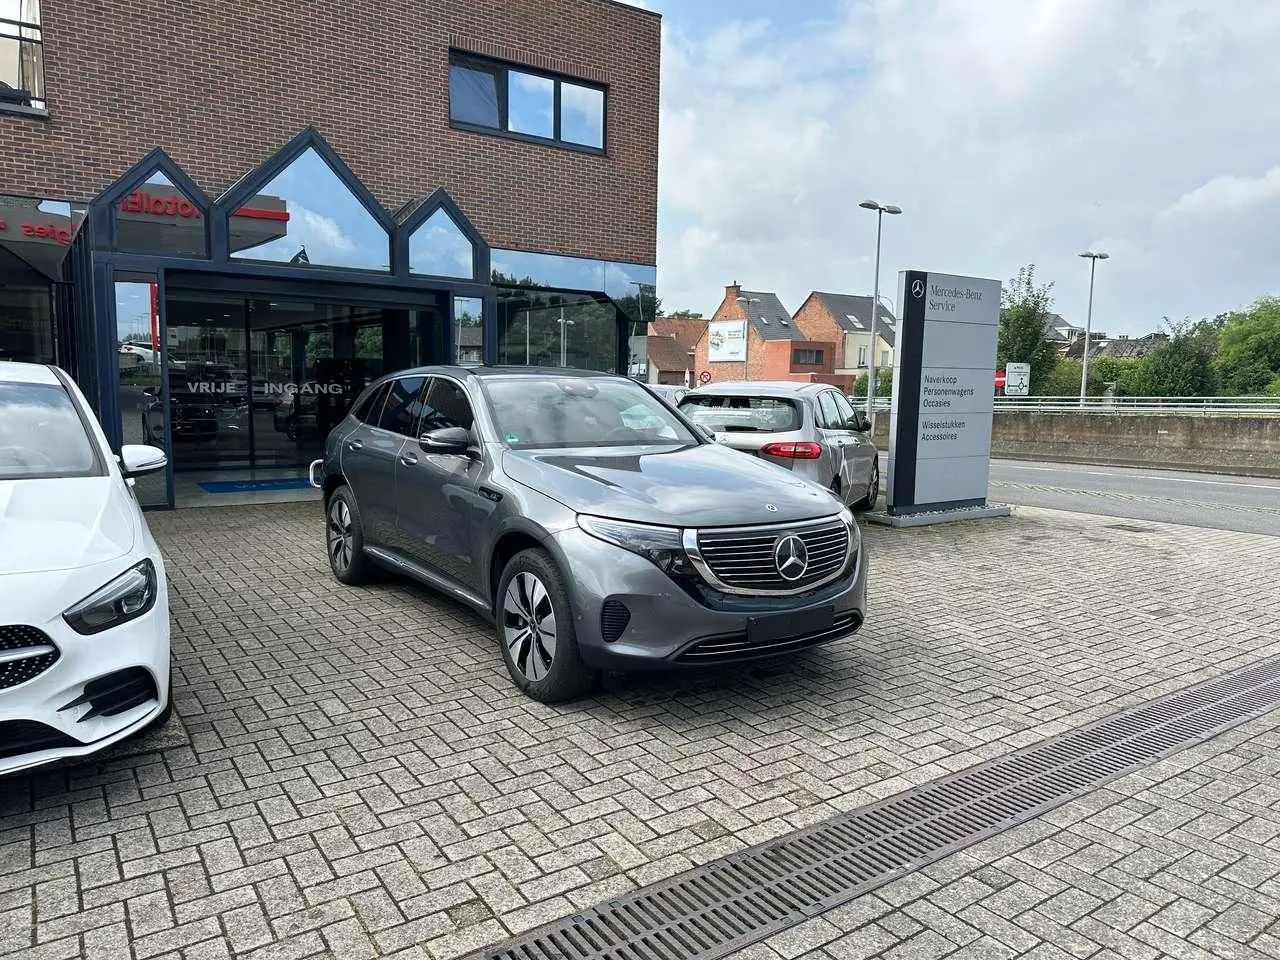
(468,330)
(439,248)
(159,218)
(557,328)
(306,215)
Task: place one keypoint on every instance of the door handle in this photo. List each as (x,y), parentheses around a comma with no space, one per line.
(355,445)
(408,459)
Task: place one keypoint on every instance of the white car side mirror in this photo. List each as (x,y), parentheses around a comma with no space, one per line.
(137,459)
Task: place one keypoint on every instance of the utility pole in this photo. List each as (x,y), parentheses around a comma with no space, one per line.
(872,377)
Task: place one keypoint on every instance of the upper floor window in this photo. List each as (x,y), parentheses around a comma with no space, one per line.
(517,101)
(21,55)
(806,358)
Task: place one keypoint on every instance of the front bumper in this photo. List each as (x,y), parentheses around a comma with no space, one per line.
(664,626)
(40,718)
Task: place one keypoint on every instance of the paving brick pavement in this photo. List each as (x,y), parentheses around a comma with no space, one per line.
(354,776)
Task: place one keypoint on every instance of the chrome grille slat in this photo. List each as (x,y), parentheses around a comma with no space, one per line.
(25,653)
(743,560)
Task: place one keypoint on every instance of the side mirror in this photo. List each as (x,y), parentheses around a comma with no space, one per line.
(446,440)
(137,459)
(860,422)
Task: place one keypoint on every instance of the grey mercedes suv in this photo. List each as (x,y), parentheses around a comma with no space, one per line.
(594,525)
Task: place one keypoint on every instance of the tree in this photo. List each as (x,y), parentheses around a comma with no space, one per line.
(1182,366)
(1024,315)
(1249,348)
(884,383)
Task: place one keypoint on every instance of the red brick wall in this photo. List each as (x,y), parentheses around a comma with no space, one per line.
(221,84)
(818,323)
(779,360)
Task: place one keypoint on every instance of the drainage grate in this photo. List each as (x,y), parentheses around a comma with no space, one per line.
(723,906)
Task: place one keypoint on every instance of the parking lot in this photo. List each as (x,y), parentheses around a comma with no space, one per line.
(351,773)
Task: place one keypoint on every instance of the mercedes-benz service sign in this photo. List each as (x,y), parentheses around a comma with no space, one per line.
(943,367)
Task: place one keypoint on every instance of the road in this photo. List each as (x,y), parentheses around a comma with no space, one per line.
(1242,504)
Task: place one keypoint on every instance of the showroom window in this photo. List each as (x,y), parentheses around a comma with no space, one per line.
(158,217)
(529,104)
(439,248)
(21,56)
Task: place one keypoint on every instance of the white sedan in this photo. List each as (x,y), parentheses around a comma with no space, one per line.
(84,608)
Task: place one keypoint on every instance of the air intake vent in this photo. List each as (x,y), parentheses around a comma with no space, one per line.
(115,693)
(26,736)
(614,618)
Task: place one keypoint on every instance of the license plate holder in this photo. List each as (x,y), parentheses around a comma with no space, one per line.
(783,626)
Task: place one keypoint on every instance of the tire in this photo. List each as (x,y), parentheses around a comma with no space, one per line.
(545,663)
(835,489)
(873,490)
(344,539)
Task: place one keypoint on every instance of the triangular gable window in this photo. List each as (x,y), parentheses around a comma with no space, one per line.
(439,248)
(306,215)
(159,217)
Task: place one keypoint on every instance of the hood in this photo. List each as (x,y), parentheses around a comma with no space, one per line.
(706,485)
(60,524)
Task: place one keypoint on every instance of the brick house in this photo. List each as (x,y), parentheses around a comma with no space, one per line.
(776,347)
(276,222)
(671,341)
(845,319)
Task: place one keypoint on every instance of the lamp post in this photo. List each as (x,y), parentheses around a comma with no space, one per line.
(881,209)
(1093,256)
(746,333)
(564,338)
(688,374)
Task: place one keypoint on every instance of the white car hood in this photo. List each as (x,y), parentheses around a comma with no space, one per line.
(61,524)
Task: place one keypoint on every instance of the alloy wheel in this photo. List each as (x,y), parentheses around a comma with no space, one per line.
(529,626)
(873,491)
(340,535)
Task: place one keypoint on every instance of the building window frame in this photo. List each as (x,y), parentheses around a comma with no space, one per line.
(501,71)
(807,357)
(29,37)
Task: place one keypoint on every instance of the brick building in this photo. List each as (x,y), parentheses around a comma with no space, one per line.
(752,336)
(845,320)
(256,225)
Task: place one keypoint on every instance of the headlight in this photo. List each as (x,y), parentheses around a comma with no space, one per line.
(125,598)
(662,546)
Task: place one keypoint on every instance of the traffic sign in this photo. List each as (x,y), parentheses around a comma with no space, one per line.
(999,379)
(1017,379)
(704,376)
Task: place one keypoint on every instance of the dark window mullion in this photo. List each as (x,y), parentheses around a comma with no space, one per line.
(555,129)
(504,86)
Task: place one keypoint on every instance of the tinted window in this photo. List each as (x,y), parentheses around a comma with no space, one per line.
(828,415)
(447,406)
(42,435)
(473,96)
(404,406)
(743,414)
(531,104)
(581,412)
(582,115)
(369,409)
(847,415)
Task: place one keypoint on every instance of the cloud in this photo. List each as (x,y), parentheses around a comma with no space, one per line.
(1227,193)
(1010,131)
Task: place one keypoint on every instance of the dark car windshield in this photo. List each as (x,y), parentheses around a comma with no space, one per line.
(742,413)
(557,412)
(42,435)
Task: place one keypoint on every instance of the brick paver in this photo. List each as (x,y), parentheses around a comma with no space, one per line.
(353,774)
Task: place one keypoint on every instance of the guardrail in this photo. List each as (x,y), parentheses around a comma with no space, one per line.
(1202,406)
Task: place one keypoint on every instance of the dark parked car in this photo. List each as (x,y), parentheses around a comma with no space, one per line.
(591,521)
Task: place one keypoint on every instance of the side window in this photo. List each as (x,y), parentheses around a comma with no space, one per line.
(447,406)
(404,406)
(848,419)
(371,407)
(828,416)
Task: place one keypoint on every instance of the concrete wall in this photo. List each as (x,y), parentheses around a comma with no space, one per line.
(1249,446)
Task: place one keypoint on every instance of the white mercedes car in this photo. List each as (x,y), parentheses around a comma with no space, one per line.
(84,609)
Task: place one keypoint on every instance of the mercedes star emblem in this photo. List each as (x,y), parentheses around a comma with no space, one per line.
(917,288)
(772,508)
(791,557)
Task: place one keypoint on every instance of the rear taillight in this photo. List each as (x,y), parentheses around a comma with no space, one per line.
(793,450)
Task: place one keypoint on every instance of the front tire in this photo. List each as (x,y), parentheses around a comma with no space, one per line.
(535,628)
(344,539)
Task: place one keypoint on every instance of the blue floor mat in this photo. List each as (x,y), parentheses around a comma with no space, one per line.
(253,486)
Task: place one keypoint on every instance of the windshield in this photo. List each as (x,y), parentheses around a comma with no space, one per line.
(742,414)
(538,413)
(42,435)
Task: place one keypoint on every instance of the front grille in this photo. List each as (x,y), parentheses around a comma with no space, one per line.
(737,647)
(744,559)
(614,617)
(25,653)
(27,736)
(115,693)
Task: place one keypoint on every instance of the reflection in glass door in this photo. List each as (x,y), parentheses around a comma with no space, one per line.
(140,350)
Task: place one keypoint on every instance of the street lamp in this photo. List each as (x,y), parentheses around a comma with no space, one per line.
(564,334)
(1093,256)
(881,209)
(746,333)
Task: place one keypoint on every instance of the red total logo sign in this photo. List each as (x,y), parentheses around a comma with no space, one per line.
(171,206)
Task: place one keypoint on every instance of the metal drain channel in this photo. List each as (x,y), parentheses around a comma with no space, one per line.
(731,903)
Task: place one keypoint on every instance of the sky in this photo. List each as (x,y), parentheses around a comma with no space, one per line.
(1010,132)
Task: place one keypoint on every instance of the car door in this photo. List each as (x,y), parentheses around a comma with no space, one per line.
(835,438)
(370,455)
(860,452)
(436,493)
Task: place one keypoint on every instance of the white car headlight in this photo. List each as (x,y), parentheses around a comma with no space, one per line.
(125,598)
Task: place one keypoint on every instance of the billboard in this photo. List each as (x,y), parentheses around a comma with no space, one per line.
(727,341)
